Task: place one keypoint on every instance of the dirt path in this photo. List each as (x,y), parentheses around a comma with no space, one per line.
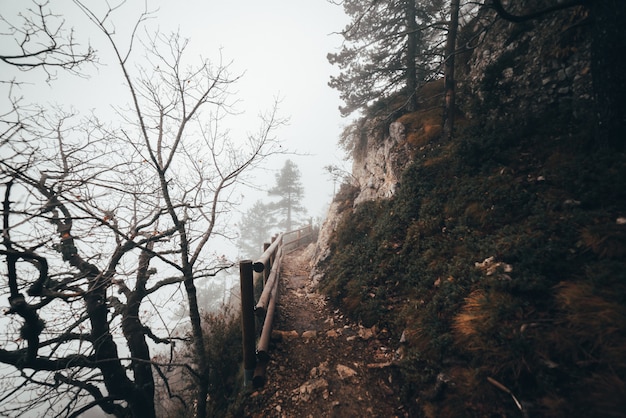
(322,365)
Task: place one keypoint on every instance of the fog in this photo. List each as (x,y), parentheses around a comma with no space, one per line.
(278,47)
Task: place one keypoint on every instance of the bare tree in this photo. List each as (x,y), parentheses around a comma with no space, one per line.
(38,38)
(105,224)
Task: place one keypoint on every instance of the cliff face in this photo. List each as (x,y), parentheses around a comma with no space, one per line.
(506,71)
(526,68)
(378,170)
(499,255)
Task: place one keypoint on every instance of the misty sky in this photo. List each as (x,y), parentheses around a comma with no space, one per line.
(279,46)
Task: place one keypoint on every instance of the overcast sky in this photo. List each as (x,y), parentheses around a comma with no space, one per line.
(279,45)
(282,46)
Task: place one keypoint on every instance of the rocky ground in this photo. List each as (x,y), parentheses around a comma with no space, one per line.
(322,365)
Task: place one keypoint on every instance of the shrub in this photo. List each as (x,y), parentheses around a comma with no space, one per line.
(223,347)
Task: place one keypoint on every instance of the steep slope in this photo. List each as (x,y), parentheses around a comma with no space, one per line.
(500,256)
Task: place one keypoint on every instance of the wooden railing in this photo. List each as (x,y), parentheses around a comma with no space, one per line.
(263,275)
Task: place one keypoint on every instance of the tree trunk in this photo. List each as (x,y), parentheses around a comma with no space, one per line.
(608,49)
(198,341)
(134,333)
(106,355)
(289,212)
(449,82)
(411,52)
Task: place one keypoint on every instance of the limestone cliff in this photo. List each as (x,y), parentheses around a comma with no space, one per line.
(378,170)
(525,69)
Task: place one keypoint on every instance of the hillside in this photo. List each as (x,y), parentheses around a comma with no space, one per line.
(498,257)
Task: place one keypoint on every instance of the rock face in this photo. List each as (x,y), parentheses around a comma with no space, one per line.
(507,70)
(322,248)
(378,171)
(526,68)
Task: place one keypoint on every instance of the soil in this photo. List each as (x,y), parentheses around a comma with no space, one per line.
(322,364)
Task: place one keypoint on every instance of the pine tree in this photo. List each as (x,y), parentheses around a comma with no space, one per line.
(390,48)
(290,191)
(449,82)
(255,228)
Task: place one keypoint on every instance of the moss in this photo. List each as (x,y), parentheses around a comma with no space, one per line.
(540,199)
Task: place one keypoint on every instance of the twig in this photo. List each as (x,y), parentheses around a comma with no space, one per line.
(506,390)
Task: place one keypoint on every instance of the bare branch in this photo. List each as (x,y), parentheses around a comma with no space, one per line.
(41,40)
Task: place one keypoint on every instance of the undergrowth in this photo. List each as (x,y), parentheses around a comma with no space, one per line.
(503,256)
(224,353)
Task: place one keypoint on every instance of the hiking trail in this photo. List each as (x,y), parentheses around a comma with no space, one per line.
(322,364)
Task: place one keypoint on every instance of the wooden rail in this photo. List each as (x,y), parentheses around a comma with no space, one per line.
(264,275)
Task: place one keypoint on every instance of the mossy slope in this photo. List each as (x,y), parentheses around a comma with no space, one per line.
(502,256)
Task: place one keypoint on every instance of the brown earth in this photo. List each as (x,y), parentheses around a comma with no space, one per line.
(322,364)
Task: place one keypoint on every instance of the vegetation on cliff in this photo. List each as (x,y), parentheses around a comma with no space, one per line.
(502,256)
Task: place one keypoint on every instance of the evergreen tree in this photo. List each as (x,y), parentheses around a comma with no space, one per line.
(255,228)
(449,82)
(390,47)
(291,192)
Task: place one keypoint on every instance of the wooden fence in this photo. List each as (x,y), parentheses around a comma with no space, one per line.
(259,282)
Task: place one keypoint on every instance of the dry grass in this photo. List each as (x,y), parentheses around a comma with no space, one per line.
(483,316)
(475,214)
(471,322)
(606,240)
(607,395)
(594,328)
(490,325)
(589,339)
(423,126)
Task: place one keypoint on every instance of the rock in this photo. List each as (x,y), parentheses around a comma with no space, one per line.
(332,333)
(319,370)
(308,335)
(284,335)
(379,365)
(312,387)
(397,131)
(571,202)
(491,266)
(367,333)
(345,372)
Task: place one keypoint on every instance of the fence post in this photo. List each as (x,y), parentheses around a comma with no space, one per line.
(268,267)
(248,333)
